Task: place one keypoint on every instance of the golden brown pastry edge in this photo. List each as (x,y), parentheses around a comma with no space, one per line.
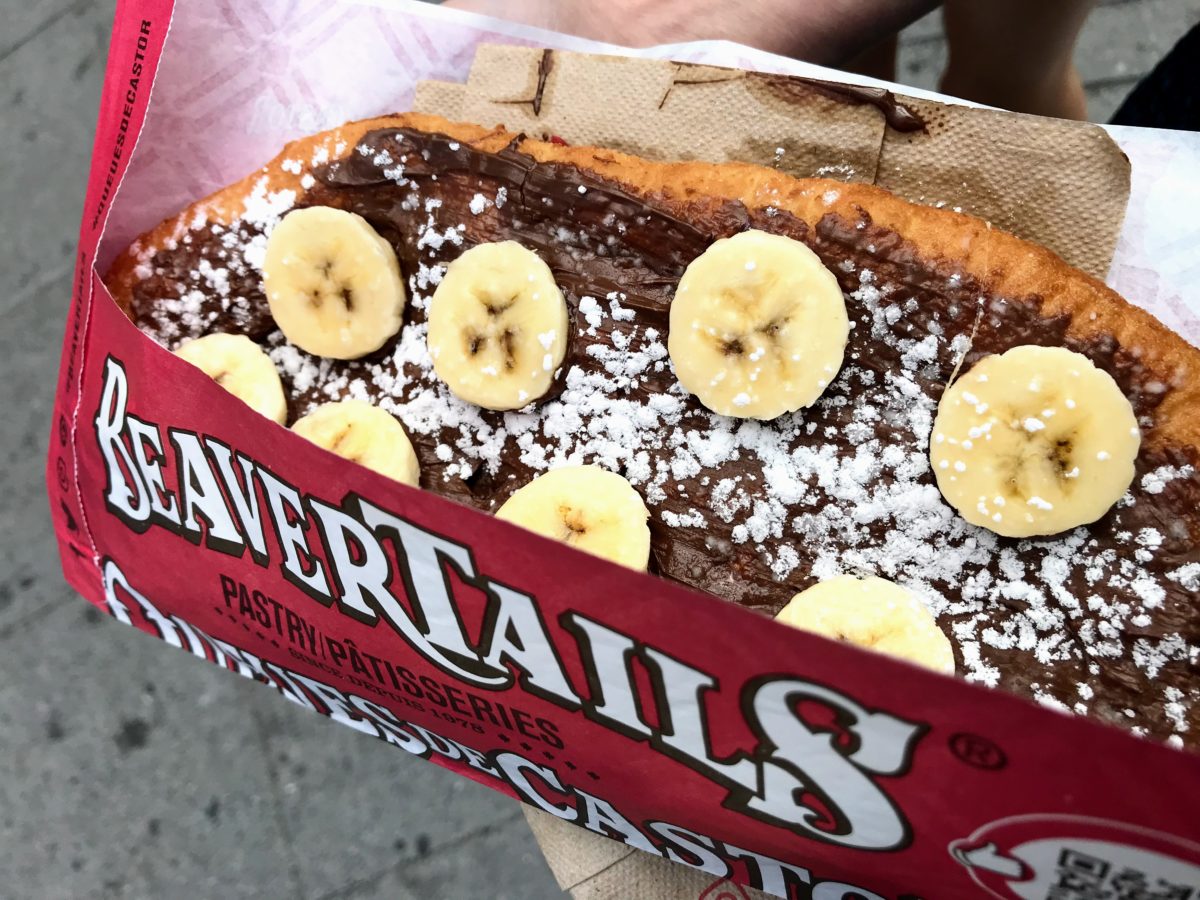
(1004,265)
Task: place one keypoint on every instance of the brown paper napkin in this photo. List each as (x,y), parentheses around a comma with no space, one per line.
(1060,184)
(591,867)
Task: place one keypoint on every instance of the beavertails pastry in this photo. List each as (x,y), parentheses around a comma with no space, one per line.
(1043,505)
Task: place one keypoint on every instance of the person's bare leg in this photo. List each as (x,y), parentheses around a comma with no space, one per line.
(1016,54)
(821,31)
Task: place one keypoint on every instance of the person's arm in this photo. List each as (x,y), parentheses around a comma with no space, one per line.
(820,31)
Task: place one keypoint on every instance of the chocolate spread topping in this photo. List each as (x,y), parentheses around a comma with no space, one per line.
(545,64)
(898,116)
(797,89)
(1103,620)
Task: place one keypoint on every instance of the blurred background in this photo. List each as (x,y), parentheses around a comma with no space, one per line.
(132,770)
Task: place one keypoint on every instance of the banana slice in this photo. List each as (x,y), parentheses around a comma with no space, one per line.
(1034,441)
(365,434)
(758,326)
(240,366)
(587,507)
(498,326)
(874,613)
(333,283)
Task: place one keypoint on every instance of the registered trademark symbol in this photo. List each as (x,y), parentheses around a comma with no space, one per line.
(977,752)
(724,889)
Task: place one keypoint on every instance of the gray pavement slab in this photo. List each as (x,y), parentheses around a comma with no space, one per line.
(381,810)
(1104,99)
(920,62)
(24,22)
(128,773)
(30,336)
(135,770)
(525,877)
(928,27)
(1128,39)
(49,92)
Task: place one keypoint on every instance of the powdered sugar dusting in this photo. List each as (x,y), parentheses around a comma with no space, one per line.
(819,495)
(204,298)
(1156,482)
(263,210)
(842,488)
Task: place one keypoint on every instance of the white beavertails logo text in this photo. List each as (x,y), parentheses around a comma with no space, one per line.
(374,565)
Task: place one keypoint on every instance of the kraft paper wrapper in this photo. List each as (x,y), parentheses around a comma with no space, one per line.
(446,98)
(591,867)
(1061,184)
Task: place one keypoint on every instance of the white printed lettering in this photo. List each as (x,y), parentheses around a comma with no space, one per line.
(516,633)
(125,494)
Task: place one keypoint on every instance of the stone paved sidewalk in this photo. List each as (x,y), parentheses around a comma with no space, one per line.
(131,770)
